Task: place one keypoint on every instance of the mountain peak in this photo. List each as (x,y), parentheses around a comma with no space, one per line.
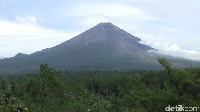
(109,34)
(103,23)
(104,34)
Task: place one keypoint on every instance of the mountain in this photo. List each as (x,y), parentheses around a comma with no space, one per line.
(103,47)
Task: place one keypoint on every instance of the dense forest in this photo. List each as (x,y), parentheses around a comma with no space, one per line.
(100,91)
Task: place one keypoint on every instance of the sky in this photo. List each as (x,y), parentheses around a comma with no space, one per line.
(170,26)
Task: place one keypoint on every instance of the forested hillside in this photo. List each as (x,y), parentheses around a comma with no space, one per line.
(100,91)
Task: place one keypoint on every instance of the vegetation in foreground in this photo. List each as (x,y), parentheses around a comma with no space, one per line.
(100,91)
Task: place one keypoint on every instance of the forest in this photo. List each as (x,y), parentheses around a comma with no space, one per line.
(101,91)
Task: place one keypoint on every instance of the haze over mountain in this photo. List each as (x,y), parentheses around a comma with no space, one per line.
(1,57)
(102,47)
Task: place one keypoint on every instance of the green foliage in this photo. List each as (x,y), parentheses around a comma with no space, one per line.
(101,91)
(167,65)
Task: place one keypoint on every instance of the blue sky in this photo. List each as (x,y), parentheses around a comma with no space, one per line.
(170,26)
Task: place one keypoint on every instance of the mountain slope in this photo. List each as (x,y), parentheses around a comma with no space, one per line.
(102,47)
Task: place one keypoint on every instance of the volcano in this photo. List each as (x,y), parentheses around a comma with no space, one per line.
(102,47)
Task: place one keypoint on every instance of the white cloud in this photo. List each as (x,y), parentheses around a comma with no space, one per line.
(26,19)
(33,19)
(111,10)
(28,38)
(174,50)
